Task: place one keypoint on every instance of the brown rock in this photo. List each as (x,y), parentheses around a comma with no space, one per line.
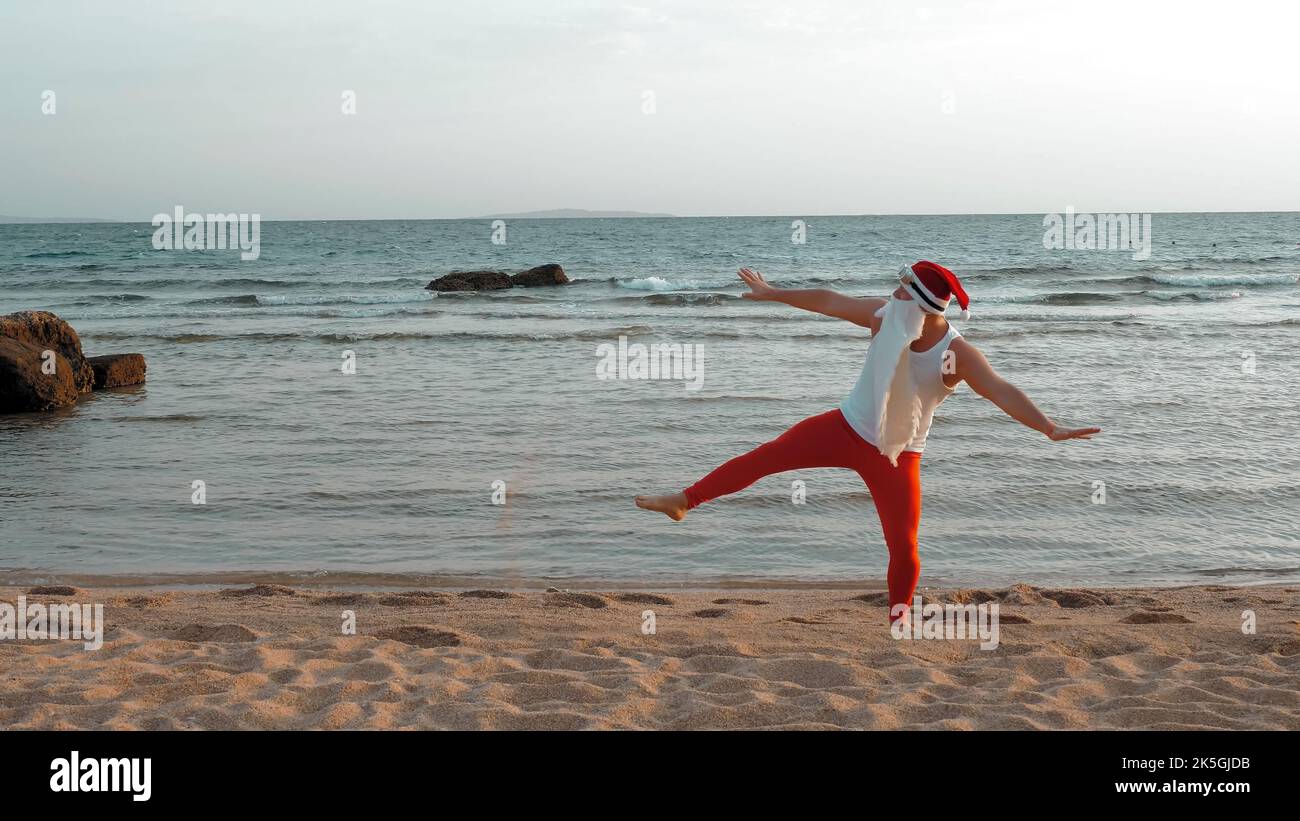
(24,386)
(549,274)
(45,331)
(117,369)
(471,281)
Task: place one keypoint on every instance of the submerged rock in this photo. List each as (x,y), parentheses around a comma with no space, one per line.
(117,369)
(471,281)
(548,274)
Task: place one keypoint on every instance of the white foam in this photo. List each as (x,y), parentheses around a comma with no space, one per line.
(653,284)
(1193,280)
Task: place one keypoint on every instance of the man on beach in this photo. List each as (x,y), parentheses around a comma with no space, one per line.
(915,360)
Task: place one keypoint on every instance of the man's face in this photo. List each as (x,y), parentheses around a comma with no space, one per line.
(901,293)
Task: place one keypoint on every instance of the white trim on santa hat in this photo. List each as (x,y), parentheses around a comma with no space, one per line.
(908,277)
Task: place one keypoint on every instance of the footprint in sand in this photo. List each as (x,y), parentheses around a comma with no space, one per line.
(148,602)
(1286,647)
(1075,599)
(808,620)
(412,598)
(710,613)
(261,590)
(754,602)
(489,594)
(969,597)
(214,632)
(872,598)
(643,598)
(1155,618)
(420,636)
(589,600)
(342,599)
(54,590)
(1021,594)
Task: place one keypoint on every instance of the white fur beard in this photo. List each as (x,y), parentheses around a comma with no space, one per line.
(902,321)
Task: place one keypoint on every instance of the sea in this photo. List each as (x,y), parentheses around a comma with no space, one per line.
(315,414)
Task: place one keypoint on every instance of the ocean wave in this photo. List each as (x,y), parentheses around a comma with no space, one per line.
(242,299)
(97,299)
(1075,298)
(345,299)
(61,283)
(173,417)
(651,284)
(1276,323)
(1205,280)
(251,283)
(183,338)
(273,301)
(678,300)
(1190,296)
(56,254)
(980,334)
(1103,297)
(1016,270)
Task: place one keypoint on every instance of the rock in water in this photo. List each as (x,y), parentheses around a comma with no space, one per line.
(45,331)
(24,385)
(471,281)
(549,274)
(117,369)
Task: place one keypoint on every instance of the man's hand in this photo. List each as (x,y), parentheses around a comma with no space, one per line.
(976,371)
(1060,434)
(818,300)
(758,287)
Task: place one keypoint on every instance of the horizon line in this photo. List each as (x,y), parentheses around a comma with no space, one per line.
(5,219)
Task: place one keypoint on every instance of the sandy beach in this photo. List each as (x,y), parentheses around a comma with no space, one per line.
(275,657)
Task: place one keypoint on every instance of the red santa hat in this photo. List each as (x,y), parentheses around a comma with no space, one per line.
(933,287)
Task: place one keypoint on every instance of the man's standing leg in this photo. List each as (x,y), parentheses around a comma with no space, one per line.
(897,494)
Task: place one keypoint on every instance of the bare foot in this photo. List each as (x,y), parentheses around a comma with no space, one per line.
(673,506)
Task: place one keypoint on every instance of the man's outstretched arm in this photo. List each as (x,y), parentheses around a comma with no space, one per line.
(976,371)
(859,311)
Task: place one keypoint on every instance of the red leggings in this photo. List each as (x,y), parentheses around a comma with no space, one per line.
(827,441)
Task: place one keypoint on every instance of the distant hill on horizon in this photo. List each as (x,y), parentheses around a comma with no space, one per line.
(8,219)
(575,213)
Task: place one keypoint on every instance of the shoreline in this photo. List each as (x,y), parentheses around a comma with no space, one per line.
(279,657)
(379,580)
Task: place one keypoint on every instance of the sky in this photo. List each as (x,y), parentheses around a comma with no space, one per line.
(699,107)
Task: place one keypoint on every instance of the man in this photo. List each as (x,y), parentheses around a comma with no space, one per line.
(915,360)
